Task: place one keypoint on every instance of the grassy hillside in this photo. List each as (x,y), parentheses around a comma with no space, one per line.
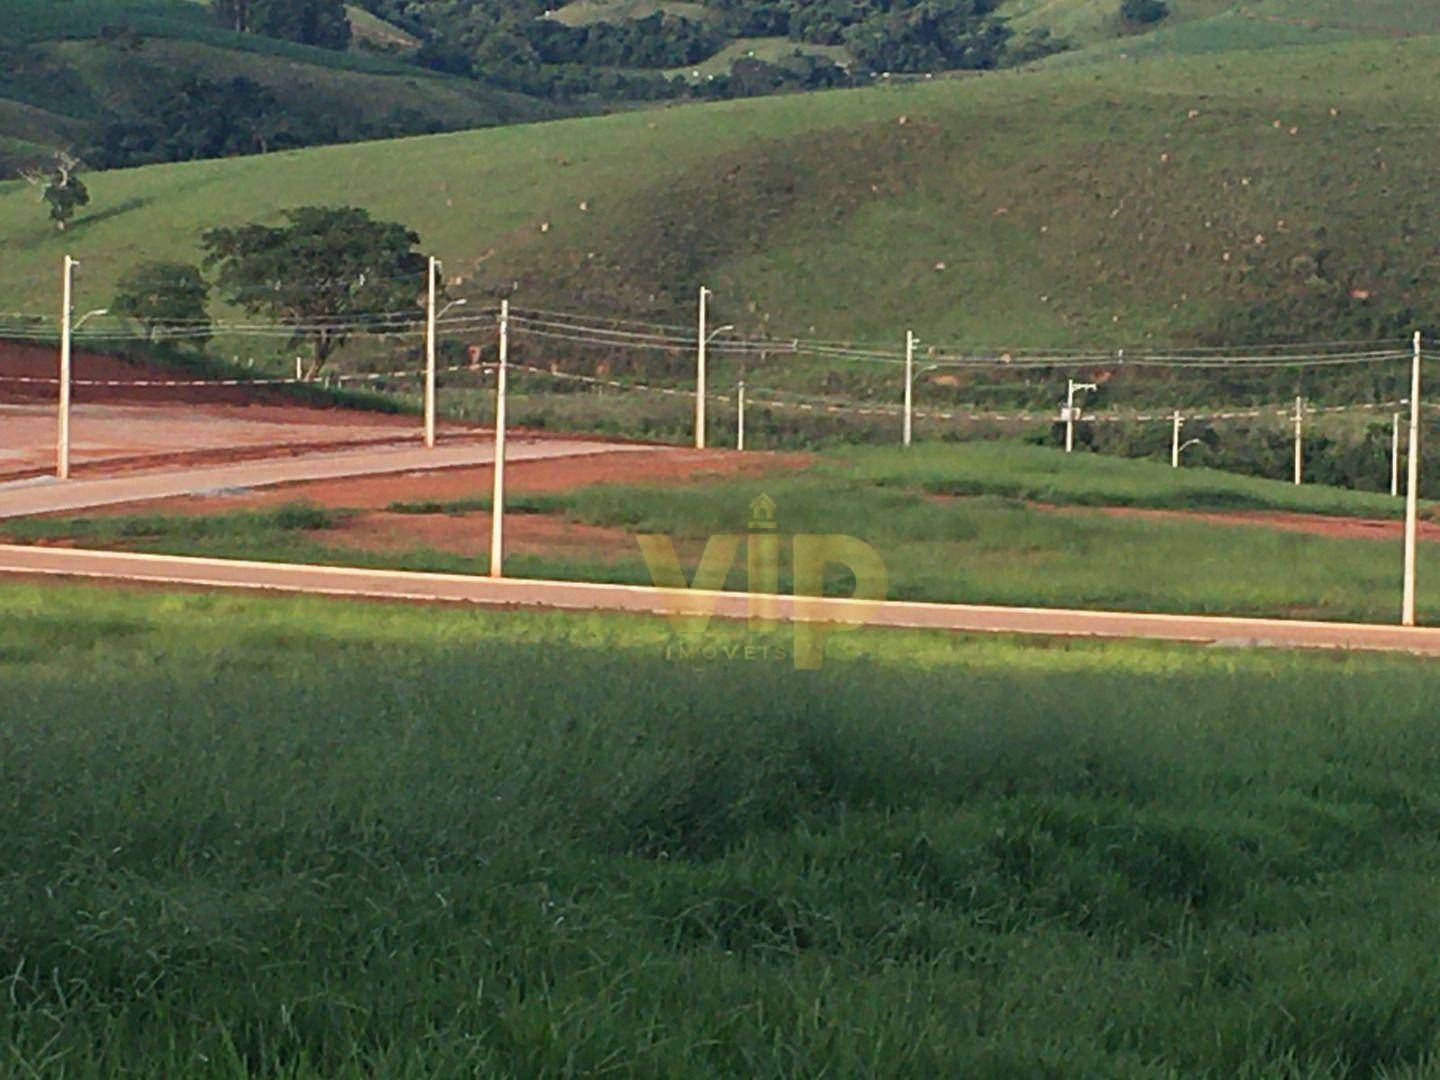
(1106,203)
(372,32)
(1089,22)
(1085,22)
(65,73)
(1395,18)
(585,12)
(769,49)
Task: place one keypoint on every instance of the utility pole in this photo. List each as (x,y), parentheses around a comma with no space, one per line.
(62,450)
(909,387)
(1395,459)
(430,355)
(1299,441)
(497,501)
(704,342)
(1412,496)
(68,325)
(1070,412)
(1175,440)
(740,416)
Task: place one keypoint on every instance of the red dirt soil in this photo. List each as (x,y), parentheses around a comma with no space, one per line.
(525,534)
(376,530)
(116,429)
(42,362)
(110,439)
(662,465)
(1312,524)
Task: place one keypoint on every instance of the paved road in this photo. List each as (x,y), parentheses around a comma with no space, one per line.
(450,588)
(50,496)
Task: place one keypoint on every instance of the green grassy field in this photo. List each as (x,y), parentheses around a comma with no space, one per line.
(302,838)
(1037,474)
(1129,220)
(1391,17)
(371,31)
(953,524)
(1086,22)
(770,49)
(585,12)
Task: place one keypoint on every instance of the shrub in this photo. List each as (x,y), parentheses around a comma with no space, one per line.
(1144,12)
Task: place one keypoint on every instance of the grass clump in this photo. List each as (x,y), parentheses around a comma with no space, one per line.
(514,504)
(246,527)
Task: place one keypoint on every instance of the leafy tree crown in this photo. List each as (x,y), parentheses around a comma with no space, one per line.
(324,272)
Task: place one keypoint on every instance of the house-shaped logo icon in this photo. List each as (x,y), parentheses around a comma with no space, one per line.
(762,512)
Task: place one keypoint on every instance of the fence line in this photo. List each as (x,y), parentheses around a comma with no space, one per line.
(621,332)
(318,380)
(756,396)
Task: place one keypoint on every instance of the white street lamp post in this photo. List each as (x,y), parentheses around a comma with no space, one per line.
(1070,412)
(67,329)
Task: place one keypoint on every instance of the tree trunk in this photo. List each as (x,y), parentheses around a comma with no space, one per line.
(324,346)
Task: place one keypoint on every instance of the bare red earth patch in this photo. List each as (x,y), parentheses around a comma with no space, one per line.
(1340,528)
(43,362)
(662,465)
(469,535)
(125,425)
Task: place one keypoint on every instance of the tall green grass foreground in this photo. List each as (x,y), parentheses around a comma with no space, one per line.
(296,838)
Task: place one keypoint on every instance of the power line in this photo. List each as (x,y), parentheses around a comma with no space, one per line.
(620,333)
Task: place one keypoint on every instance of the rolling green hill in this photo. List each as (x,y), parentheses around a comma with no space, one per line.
(67,70)
(72,72)
(767,49)
(1103,203)
(1086,22)
(1090,22)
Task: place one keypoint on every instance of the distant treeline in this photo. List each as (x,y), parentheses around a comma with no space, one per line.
(511,40)
(520,45)
(891,35)
(191,118)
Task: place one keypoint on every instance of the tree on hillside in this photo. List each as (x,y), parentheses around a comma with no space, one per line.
(61,187)
(232,14)
(327,272)
(323,23)
(166,298)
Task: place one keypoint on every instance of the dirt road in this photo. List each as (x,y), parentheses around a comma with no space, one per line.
(449,588)
(50,497)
